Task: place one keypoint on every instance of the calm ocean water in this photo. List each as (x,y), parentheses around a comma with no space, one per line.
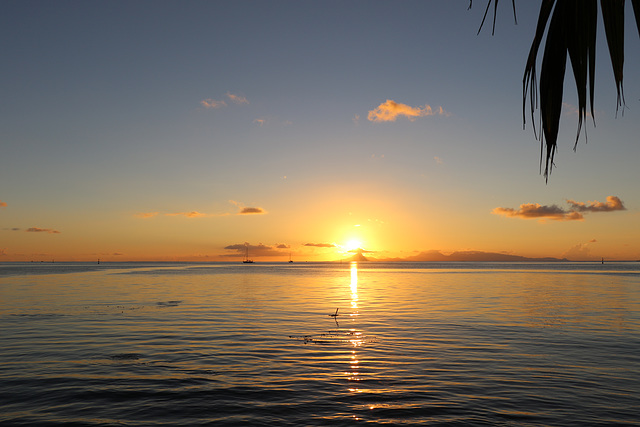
(231,344)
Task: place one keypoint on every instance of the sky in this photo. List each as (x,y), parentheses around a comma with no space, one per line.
(186,131)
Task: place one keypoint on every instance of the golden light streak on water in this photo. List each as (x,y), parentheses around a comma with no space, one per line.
(354,289)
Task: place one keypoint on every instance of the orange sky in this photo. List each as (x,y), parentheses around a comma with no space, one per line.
(182,135)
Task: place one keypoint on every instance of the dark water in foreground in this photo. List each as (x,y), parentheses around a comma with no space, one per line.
(231,344)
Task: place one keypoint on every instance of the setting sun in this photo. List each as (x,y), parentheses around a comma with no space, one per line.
(352,245)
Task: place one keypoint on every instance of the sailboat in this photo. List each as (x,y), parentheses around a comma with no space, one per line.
(290,260)
(246,259)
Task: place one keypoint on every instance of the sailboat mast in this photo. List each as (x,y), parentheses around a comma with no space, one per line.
(246,259)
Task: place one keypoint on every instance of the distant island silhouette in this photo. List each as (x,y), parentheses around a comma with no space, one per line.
(458,256)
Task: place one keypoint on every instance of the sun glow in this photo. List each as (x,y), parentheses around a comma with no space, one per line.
(352,245)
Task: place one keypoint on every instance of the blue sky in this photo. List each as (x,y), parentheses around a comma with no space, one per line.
(113,110)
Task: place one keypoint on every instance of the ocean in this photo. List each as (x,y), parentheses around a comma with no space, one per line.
(315,344)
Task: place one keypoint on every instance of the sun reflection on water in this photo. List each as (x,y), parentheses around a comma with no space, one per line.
(356,341)
(354,289)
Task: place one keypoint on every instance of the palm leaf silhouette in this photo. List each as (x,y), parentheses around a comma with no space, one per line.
(570,27)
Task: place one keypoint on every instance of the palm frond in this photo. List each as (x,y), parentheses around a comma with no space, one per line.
(636,12)
(570,27)
(571,31)
(554,61)
(530,81)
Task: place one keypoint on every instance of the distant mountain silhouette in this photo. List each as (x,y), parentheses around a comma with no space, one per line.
(470,256)
(357,257)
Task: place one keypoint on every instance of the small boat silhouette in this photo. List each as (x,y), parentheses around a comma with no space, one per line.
(246,259)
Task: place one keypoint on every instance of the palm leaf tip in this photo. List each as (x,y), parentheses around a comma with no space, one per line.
(495,13)
(613,18)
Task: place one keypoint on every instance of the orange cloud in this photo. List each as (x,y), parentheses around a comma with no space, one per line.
(613,203)
(212,103)
(257,250)
(321,245)
(3,204)
(244,210)
(390,110)
(556,213)
(41,230)
(260,122)
(192,214)
(248,211)
(146,214)
(579,252)
(536,210)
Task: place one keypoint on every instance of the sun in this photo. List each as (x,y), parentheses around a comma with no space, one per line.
(352,245)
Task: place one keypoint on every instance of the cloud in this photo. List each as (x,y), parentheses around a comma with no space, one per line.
(255,250)
(242,246)
(3,251)
(219,103)
(260,122)
(556,213)
(244,210)
(192,214)
(581,251)
(237,246)
(361,251)
(146,214)
(390,110)
(3,204)
(212,103)
(41,230)
(356,119)
(283,246)
(613,203)
(321,245)
(249,211)
(237,99)
(438,160)
(535,210)
(572,110)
